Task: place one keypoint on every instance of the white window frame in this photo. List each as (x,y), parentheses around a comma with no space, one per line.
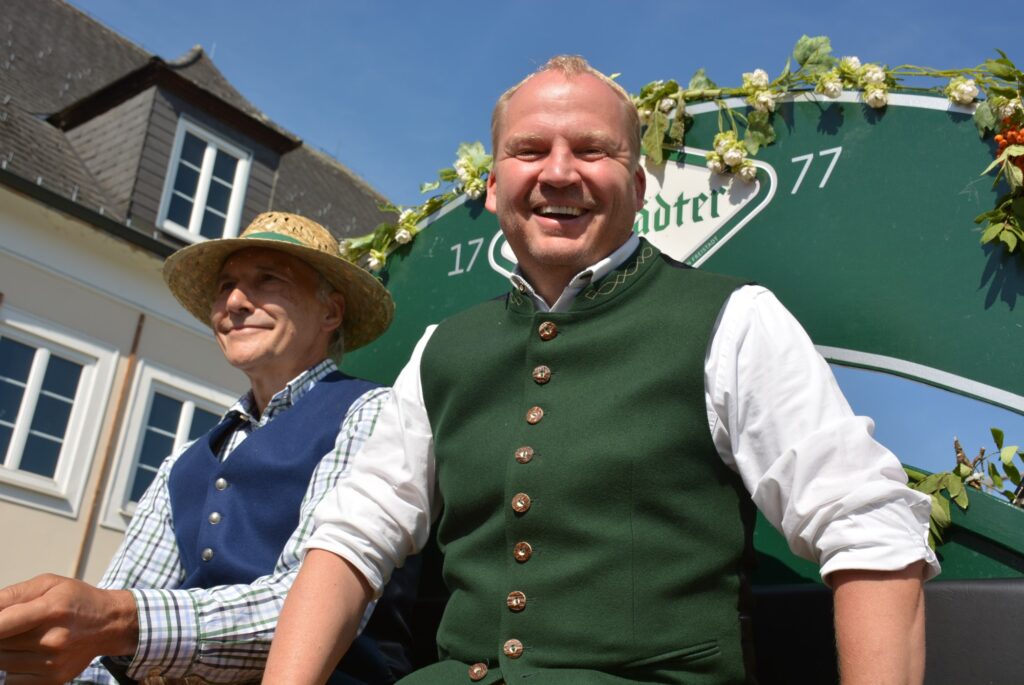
(239,184)
(151,377)
(63,493)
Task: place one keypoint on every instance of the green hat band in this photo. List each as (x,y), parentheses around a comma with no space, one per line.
(276,236)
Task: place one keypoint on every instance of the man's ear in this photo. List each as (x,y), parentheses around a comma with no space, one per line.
(491,201)
(334,311)
(640,183)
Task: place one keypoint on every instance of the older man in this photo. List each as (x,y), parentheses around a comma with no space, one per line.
(194,593)
(594,442)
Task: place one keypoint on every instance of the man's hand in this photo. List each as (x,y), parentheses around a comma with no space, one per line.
(51,627)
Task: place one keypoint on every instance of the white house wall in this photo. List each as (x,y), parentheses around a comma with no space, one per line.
(55,268)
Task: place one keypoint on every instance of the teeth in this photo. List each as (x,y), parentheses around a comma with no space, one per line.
(553,209)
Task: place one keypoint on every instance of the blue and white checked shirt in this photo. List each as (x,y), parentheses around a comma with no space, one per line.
(222,634)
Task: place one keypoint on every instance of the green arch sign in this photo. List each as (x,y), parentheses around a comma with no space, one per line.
(860,220)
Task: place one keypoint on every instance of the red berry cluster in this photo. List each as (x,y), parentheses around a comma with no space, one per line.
(1011,135)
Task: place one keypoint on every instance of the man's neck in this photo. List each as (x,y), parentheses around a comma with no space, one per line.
(264,386)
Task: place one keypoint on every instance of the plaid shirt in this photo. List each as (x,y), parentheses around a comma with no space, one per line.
(221,634)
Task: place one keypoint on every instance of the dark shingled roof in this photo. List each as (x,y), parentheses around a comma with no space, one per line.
(53,56)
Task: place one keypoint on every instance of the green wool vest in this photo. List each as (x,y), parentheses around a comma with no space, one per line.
(590,531)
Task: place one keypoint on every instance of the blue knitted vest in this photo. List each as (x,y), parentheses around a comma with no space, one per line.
(266,476)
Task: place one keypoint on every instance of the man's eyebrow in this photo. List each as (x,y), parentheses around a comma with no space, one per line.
(519,139)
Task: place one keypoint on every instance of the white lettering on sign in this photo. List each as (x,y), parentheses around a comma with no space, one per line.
(808,158)
(457,249)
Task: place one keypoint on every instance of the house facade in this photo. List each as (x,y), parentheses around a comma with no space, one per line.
(111,158)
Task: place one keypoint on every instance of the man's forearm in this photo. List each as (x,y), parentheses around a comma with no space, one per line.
(879,617)
(319,621)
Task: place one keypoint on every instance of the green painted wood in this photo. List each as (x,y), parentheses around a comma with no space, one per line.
(874,253)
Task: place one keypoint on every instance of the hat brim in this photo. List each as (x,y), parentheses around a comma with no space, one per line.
(191,275)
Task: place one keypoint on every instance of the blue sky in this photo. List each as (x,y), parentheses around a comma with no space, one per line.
(391,89)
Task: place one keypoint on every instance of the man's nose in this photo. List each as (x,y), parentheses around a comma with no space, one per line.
(559,168)
(238,300)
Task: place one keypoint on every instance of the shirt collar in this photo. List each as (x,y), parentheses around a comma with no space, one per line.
(595,272)
(284,398)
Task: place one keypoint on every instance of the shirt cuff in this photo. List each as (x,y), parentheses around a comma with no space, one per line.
(168,634)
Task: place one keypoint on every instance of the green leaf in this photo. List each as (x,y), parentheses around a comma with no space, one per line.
(427,187)
(930,484)
(940,511)
(914,475)
(1017,208)
(955,487)
(1001,68)
(1014,175)
(984,118)
(1012,473)
(1005,91)
(1008,453)
(677,131)
(992,232)
(700,81)
(654,136)
(750,142)
(993,473)
(813,51)
(963,470)
(1009,239)
(997,437)
(448,174)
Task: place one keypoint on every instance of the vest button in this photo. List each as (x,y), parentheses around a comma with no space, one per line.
(534,415)
(522,552)
(542,374)
(516,601)
(521,503)
(215,518)
(477,671)
(207,554)
(513,649)
(220,484)
(524,454)
(547,330)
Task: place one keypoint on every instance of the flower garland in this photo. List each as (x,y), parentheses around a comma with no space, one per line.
(662,108)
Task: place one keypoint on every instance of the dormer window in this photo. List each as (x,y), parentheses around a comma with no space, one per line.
(205,185)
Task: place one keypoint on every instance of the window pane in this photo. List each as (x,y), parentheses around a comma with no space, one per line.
(224,167)
(180,210)
(186,180)
(155,447)
(62,377)
(192,149)
(10,400)
(163,413)
(15,359)
(202,421)
(40,456)
(219,196)
(51,416)
(143,477)
(213,225)
(5,441)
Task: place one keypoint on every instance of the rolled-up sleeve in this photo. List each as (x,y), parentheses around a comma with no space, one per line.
(381,510)
(811,466)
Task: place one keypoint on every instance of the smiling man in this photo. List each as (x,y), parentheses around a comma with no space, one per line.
(194,593)
(595,442)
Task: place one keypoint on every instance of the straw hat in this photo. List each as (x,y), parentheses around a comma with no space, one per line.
(191,272)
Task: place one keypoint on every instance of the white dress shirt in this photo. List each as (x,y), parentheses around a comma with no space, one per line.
(776,416)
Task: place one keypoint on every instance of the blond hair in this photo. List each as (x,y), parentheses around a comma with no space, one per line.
(572,66)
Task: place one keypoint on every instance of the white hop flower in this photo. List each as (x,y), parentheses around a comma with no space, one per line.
(666,105)
(961,90)
(475,188)
(345,249)
(734,156)
(402,236)
(872,74)
(1010,108)
(851,63)
(876,96)
(715,163)
(756,79)
(375,261)
(723,140)
(764,101)
(747,171)
(644,114)
(830,84)
(404,216)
